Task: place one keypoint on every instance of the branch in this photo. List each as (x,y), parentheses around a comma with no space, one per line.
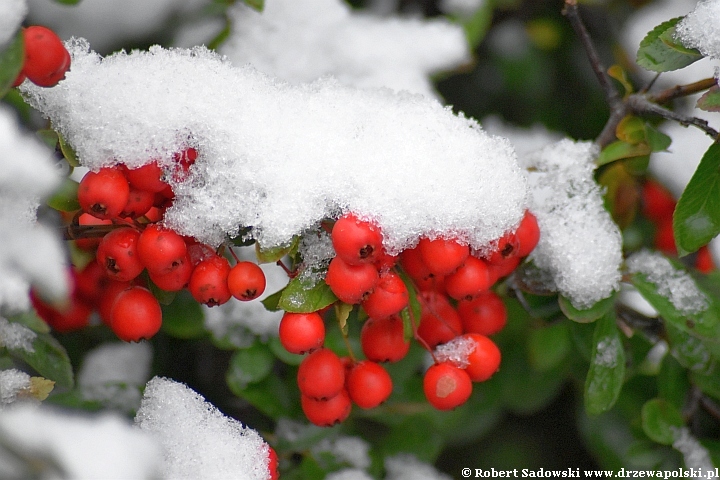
(640,104)
(679,91)
(614,100)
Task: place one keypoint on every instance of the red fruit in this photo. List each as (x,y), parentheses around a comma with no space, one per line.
(439,322)
(183,161)
(246,281)
(471,278)
(442,256)
(388,298)
(665,238)
(446,386)
(19,80)
(658,204)
(104,193)
(208,282)
(383,340)
(368,384)
(175,279)
(302,332)
(704,261)
(110,292)
(485,314)
(321,374)
(46,59)
(118,255)
(528,234)
(504,269)
(412,263)
(273,464)
(356,241)
(350,283)
(73,316)
(199,252)
(484,360)
(326,412)
(138,204)
(161,250)
(148,177)
(135,315)
(90,243)
(507,247)
(90,283)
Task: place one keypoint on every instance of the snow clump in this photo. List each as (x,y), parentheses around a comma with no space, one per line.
(701,28)
(12,13)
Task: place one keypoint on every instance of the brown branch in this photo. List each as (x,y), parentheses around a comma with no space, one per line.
(711,407)
(640,104)
(74,231)
(679,91)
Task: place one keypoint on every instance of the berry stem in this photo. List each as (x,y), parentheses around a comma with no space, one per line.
(232,252)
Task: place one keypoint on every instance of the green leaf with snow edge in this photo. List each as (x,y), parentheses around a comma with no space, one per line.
(11,62)
(660,420)
(49,359)
(587,315)
(704,324)
(660,52)
(304,296)
(696,220)
(258,5)
(606,375)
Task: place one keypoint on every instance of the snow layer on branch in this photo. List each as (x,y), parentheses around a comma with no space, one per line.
(280,157)
(29,252)
(580,246)
(80,446)
(15,336)
(701,28)
(12,13)
(12,382)
(198,441)
(672,283)
(302,40)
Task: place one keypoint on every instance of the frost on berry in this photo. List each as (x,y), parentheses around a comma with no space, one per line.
(157,100)
(456,351)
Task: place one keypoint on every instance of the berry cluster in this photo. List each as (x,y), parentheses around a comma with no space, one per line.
(658,205)
(458,311)
(46,58)
(137,251)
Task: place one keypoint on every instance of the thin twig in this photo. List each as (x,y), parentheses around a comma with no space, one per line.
(679,91)
(641,105)
(711,407)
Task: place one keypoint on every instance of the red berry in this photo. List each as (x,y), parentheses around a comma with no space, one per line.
(657,202)
(208,282)
(104,193)
(183,161)
(704,261)
(19,80)
(110,292)
(117,254)
(388,298)
(90,283)
(175,279)
(356,241)
(135,315)
(46,58)
(484,360)
(246,281)
(350,283)
(72,316)
(507,247)
(439,322)
(326,412)
(321,374)
(471,278)
(383,339)
(442,256)
(665,237)
(138,204)
(446,386)
(273,464)
(504,269)
(301,332)
(368,384)
(161,250)
(90,243)
(148,177)
(528,234)
(485,314)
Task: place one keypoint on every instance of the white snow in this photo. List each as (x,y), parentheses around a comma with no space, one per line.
(701,28)
(462,8)
(82,447)
(606,352)
(674,284)
(696,456)
(456,351)
(282,157)
(351,450)
(405,466)
(349,474)
(114,373)
(26,176)
(12,13)
(12,383)
(15,336)
(197,440)
(302,40)
(580,246)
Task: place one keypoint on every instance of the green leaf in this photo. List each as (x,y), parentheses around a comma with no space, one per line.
(249,365)
(414,310)
(31,320)
(606,375)
(304,296)
(283,355)
(68,2)
(710,100)
(660,419)
(619,150)
(660,52)
(272,255)
(658,141)
(588,315)
(256,4)
(697,215)
(183,317)
(68,152)
(342,312)
(477,25)
(274,396)
(65,197)
(49,359)
(11,62)
(271,302)
(549,346)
